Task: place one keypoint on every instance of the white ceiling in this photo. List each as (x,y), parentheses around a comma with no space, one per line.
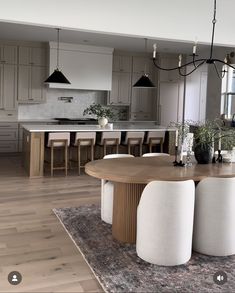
(20,32)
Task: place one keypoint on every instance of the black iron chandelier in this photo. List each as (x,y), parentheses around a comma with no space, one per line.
(200,61)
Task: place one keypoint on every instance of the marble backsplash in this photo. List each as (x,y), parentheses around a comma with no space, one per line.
(53,107)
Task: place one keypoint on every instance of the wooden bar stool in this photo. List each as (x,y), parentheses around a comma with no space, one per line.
(58,140)
(84,139)
(110,139)
(134,138)
(155,138)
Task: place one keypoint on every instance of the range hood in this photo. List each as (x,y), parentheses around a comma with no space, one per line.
(86,67)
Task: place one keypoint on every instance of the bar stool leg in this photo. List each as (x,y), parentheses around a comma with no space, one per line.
(150,147)
(66,158)
(52,159)
(129,149)
(116,146)
(161,143)
(92,150)
(79,159)
(140,149)
(105,148)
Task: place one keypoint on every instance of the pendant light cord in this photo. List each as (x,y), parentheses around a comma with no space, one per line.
(58,46)
(145,64)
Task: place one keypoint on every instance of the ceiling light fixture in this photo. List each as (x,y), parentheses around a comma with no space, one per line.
(198,62)
(144,81)
(57,76)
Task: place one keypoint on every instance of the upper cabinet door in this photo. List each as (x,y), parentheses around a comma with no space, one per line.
(32,56)
(8,54)
(10,86)
(38,56)
(38,75)
(24,55)
(122,63)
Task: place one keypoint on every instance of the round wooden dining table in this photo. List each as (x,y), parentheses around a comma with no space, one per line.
(131,175)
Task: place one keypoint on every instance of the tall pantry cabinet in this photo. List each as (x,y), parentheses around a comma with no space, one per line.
(8,77)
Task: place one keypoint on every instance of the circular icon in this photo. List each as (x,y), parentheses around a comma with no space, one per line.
(14,278)
(220,278)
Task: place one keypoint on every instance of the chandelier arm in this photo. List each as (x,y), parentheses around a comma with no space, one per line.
(161,68)
(221,61)
(217,71)
(182,66)
(186,74)
(213,30)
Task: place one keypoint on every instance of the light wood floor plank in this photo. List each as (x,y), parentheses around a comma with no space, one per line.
(32,240)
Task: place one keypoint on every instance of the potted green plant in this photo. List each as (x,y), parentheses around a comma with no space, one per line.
(209,134)
(204,139)
(102,113)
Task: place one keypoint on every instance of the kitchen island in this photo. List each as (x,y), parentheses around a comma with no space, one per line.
(34,140)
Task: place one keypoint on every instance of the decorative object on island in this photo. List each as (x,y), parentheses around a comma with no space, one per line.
(197,62)
(102,113)
(144,81)
(57,76)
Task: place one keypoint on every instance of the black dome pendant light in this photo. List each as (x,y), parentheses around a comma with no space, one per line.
(144,81)
(57,76)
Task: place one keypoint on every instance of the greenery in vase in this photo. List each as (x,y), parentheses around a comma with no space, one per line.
(210,132)
(207,134)
(99,111)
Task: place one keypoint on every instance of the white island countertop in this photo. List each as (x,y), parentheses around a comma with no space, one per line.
(97,128)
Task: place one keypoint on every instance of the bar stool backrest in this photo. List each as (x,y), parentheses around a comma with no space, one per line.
(134,137)
(60,136)
(156,137)
(110,138)
(85,138)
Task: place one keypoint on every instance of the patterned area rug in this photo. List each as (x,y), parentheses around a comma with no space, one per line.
(118,268)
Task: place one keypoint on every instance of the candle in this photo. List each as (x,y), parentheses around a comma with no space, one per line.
(176,137)
(180,59)
(154,50)
(181,154)
(219,146)
(194,49)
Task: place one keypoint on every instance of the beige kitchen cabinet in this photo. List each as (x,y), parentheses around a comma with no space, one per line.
(8,137)
(142,65)
(31,88)
(32,56)
(8,54)
(121,89)
(8,86)
(32,73)
(122,63)
(142,101)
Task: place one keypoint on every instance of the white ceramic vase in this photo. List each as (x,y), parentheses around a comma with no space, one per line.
(103,121)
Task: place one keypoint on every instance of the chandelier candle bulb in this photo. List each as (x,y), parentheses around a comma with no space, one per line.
(219,143)
(176,138)
(180,60)
(154,50)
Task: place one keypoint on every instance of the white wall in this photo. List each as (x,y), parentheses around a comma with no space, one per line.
(54,108)
(167,19)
